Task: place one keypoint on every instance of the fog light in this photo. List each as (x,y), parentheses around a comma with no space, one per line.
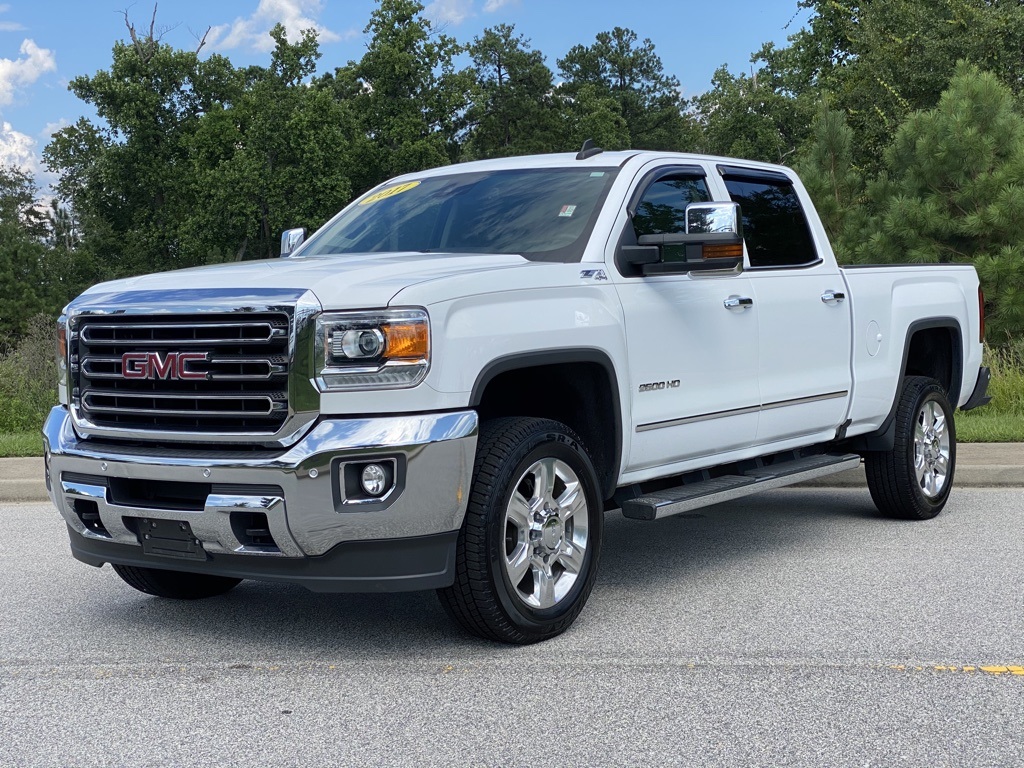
(374,479)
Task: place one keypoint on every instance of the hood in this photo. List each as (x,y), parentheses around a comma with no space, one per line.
(350,281)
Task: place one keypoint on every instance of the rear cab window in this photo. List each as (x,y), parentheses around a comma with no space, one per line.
(775,226)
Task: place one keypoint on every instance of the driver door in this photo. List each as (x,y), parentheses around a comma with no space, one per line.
(692,354)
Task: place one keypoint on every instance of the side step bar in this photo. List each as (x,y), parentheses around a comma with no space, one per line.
(683,498)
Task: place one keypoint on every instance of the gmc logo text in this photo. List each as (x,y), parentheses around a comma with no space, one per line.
(173,366)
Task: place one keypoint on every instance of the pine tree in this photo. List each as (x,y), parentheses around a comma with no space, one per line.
(954,192)
(619,67)
(834,184)
(513,109)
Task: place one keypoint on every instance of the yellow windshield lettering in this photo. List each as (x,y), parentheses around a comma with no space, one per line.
(384,194)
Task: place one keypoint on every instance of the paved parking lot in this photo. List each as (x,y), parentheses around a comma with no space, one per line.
(791,628)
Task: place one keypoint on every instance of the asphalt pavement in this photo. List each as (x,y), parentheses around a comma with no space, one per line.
(792,628)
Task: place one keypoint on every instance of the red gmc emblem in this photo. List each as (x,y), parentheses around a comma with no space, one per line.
(172,366)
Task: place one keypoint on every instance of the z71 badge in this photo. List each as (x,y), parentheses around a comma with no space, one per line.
(593,274)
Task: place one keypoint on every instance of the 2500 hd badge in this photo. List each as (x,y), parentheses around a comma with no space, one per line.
(655,385)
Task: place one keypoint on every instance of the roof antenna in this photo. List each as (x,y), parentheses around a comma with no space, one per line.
(589,150)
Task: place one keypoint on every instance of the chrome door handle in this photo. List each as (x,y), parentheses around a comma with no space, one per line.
(833,297)
(738,302)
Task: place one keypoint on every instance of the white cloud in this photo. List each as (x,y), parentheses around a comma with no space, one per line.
(11,26)
(449,11)
(51,128)
(494,5)
(24,71)
(17,149)
(254,31)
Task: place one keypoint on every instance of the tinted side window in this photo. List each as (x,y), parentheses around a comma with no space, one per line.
(662,208)
(774,225)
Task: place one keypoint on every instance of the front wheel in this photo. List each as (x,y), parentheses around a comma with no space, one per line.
(912,481)
(529,547)
(177,585)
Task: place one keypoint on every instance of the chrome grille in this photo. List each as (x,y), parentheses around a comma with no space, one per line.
(243,386)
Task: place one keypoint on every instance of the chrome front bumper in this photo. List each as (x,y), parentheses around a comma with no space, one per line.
(301,491)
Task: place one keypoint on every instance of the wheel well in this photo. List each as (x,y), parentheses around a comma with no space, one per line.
(933,349)
(935,352)
(581,395)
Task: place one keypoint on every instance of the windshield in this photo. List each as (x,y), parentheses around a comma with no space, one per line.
(543,214)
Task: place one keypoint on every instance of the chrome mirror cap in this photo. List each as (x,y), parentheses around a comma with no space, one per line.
(292,239)
(713,219)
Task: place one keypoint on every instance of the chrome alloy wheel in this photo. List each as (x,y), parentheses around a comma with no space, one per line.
(931,449)
(546,533)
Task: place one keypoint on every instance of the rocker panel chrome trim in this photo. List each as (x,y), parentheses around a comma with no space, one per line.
(739,411)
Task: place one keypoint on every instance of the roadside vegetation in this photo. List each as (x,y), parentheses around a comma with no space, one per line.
(1002,420)
(905,120)
(28,375)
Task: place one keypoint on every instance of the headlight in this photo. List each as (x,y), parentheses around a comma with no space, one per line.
(62,360)
(389,349)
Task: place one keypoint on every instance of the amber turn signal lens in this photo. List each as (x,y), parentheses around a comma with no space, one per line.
(406,341)
(730,251)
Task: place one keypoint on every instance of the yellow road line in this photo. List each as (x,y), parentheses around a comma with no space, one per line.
(987,669)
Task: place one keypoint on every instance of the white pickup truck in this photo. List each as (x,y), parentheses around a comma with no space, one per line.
(448,385)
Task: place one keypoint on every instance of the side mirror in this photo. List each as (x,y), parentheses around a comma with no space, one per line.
(292,239)
(714,218)
(713,241)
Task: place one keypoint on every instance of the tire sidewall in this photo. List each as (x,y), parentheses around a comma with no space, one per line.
(934,393)
(546,443)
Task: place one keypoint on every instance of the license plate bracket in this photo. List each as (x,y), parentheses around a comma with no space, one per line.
(168,538)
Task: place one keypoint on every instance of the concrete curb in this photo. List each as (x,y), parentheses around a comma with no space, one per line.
(979,465)
(966,477)
(22,480)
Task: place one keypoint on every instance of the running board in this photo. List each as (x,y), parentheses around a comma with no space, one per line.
(683,498)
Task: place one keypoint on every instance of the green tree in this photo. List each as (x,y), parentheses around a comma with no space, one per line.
(592,113)
(836,186)
(747,116)
(954,192)
(127,177)
(275,158)
(512,109)
(19,204)
(881,61)
(407,97)
(22,254)
(616,66)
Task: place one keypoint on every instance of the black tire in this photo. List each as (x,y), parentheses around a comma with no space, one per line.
(893,479)
(177,585)
(483,599)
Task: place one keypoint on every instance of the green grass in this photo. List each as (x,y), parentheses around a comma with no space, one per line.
(982,426)
(17,444)
(1002,420)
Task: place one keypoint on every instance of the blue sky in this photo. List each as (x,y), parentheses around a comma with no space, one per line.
(46,43)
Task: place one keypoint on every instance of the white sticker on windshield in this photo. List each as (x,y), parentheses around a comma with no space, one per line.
(567,210)
(597,174)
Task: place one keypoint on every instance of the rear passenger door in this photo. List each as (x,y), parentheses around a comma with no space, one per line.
(803,314)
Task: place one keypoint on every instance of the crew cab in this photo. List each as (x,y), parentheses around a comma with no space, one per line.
(449,384)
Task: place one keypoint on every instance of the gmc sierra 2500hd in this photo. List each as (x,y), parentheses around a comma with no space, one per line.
(447,385)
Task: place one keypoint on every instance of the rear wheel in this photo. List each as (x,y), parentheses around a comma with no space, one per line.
(177,585)
(912,481)
(529,547)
